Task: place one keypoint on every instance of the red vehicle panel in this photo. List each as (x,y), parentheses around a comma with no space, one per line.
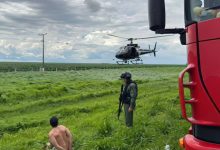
(191,143)
(191,34)
(210,68)
(200,100)
(209,58)
(204,84)
(202,21)
(209,29)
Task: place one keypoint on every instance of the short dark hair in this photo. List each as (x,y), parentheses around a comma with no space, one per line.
(54,121)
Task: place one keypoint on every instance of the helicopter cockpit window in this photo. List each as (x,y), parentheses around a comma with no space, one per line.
(131,48)
(202,10)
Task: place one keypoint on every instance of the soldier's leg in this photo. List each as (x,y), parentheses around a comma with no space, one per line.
(126,106)
(128,116)
(130,119)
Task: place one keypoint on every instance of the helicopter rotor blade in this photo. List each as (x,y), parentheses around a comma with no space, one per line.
(117,36)
(151,37)
(123,41)
(155,46)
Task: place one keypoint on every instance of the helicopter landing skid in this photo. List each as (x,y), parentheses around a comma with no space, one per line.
(125,62)
(137,61)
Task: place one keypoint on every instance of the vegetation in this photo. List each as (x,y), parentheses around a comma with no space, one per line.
(86,102)
(31,66)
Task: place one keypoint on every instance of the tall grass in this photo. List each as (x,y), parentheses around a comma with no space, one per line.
(87,104)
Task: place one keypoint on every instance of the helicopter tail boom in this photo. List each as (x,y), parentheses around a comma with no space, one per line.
(149,51)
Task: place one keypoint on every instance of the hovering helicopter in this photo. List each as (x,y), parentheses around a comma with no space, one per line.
(131,52)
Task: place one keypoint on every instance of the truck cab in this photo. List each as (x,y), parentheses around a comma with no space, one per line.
(201,35)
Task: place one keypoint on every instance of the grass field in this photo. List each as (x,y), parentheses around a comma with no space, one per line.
(35,66)
(86,101)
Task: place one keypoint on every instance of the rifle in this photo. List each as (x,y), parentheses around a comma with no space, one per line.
(120,102)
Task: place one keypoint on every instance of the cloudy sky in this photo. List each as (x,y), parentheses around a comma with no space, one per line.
(77,30)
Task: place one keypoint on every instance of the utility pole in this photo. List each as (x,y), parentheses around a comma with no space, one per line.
(42,67)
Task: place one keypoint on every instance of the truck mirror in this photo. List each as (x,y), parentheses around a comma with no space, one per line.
(157,15)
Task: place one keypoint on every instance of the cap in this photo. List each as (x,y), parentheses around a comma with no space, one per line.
(126,75)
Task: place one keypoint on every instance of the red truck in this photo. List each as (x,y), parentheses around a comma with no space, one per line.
(201,35)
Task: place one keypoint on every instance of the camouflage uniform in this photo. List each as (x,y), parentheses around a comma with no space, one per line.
(130,92)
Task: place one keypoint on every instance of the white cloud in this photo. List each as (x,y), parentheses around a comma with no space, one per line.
(84,24)
(16,8)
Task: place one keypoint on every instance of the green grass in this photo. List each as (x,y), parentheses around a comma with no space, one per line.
(86,102)
(35,66)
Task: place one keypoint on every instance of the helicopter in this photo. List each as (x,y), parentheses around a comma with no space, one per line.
(131,52)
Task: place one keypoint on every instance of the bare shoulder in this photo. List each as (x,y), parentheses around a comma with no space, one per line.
(62,127)
(50,133)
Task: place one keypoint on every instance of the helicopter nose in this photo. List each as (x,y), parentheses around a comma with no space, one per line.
(118,56)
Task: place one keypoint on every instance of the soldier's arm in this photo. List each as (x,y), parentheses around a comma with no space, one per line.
(53,141)
(133,94)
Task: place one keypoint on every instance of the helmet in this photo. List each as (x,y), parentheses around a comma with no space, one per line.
(126,75)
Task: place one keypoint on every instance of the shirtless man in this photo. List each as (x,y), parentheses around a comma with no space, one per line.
(60,137)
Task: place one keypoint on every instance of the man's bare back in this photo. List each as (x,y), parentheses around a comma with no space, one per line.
(60,138)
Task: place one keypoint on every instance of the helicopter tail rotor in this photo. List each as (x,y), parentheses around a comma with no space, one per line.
(154,50)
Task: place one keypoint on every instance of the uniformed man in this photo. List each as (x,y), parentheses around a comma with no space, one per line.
(129,95)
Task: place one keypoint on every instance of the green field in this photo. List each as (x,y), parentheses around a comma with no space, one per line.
(86,101)
(35,66)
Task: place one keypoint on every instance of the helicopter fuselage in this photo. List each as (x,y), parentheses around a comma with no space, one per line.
(132,51)
(128,52)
